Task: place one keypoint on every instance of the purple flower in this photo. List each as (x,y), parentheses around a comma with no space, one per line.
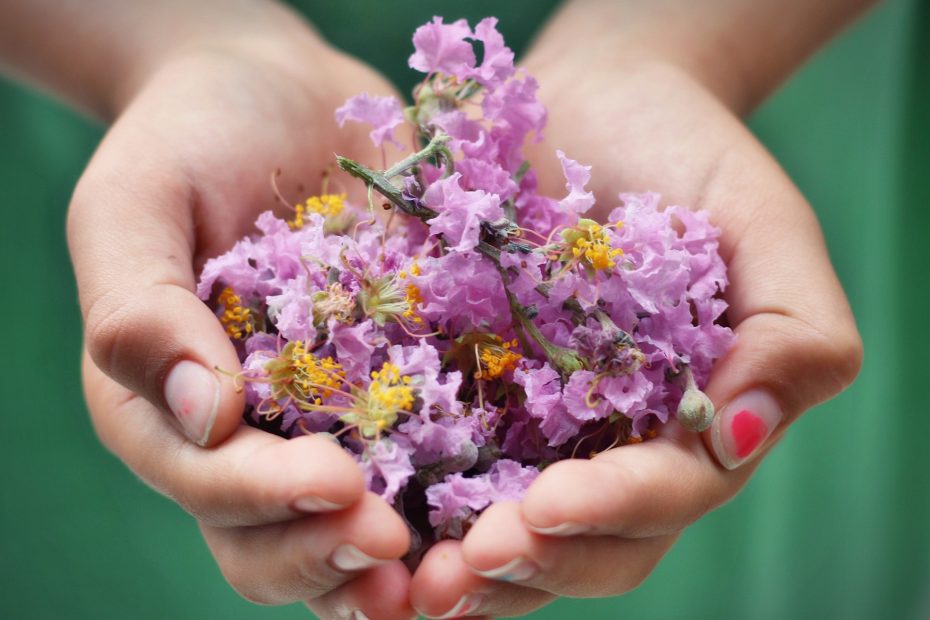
(292,310)
(382,113)
(486,176)
(442,48)
(354,345)
(458,499)
(445,440)
(626,394)
(402,321)
(497,64)
(545,402)
(576,177)
(421,363)
(460,212)
(514,112)
(581,400)
(461,291)
(387,468)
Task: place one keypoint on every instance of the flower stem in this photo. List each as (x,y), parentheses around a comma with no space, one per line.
(436,146)
(564,360)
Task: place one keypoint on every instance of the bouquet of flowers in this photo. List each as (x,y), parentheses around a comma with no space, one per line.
(461,331)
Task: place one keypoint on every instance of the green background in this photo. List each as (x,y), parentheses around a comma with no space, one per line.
(836,524)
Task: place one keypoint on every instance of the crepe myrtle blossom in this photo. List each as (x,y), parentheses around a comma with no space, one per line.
(472,331)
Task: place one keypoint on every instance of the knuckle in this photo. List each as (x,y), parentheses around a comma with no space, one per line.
(236,567)
(246,586)
(637,574)
(838,352)
(849,353)
(105,328)
(312,581)
(81,200)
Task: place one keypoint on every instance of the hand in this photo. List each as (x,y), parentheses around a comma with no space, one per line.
(593,528)
(180,176)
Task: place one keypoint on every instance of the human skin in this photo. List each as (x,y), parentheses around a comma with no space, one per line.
(181,175)
(665,116)
(206,100)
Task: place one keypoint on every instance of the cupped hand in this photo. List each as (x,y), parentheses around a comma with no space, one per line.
(179,178)
(594,528)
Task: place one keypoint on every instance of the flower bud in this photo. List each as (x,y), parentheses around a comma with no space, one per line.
(695,411)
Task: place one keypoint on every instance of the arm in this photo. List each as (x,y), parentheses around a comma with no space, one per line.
(96,54)
(740,50)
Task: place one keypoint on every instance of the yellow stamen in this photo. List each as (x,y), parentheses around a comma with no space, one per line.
(313,375)
(235,318)
(413,299)
(327,205)
(498,360)
(594,247)
(389,393)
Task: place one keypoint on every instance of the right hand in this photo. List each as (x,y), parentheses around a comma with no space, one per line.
(179,178)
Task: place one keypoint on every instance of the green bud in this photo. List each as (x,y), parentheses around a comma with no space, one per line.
(695,411)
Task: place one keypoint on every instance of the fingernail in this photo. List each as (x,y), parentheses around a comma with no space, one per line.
(358,615)
(193,395)
(467,605)
(518,569)
(311,503)
(568,528)
(743,426)
(349,558)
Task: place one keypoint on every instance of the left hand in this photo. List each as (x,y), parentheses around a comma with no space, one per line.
(595,528)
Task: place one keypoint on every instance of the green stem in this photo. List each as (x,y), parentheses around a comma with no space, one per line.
(384,187)
(436,146)
(562,359)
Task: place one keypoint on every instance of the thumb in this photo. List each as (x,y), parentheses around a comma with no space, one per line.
(797,343)
(131,236)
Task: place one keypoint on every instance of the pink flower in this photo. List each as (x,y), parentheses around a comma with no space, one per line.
(576,177)
(387,468)
(460,212)
(443,48)
(455,500)
(382,113)
(497,64)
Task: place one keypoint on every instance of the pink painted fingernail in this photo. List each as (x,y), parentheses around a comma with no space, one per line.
(743,426)
(568,528)
(349,558)
(518,569)
(193,395)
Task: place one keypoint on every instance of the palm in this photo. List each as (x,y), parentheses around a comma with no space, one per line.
(219,125)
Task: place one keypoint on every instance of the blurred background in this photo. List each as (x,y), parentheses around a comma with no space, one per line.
(835,524)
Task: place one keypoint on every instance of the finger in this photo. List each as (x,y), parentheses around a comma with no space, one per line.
(254,477)
(309,557)
(654,488)
(445,587)
(797,343)
(499,546)
(131,232)
(377,593)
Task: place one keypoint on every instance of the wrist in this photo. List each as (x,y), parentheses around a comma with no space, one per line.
(740,51)
(263,32)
